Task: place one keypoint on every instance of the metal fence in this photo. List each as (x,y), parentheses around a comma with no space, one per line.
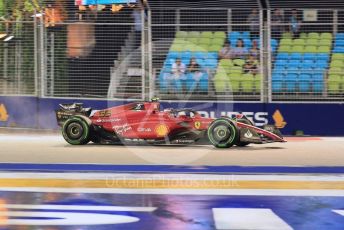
(17,58)
(133,53)
(201,36)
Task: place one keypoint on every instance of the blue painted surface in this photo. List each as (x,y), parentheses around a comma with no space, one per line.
(167,168)
(313,119)
(181,212)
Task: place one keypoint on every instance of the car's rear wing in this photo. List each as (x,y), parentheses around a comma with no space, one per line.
(67,110)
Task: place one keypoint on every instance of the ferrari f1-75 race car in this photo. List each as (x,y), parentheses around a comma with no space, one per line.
(145,123)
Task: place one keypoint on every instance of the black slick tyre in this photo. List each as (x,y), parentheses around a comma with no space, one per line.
(76,131)
(223,133)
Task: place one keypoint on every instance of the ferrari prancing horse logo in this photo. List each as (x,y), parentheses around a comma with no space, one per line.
(197,124)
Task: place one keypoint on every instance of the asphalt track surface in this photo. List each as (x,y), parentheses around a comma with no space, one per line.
(51,148)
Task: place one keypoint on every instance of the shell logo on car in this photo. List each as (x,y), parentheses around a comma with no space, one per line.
(162,130)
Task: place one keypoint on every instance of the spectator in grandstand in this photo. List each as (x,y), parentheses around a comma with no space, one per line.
(178,74)
(225,52)
(251,65)
(254,51)
(276,28)
(294,26)
(253,20)
(240,51)
(194,71)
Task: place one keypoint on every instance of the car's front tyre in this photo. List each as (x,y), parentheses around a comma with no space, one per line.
(223,133)
(76,131)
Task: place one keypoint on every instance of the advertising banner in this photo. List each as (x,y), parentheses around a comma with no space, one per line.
(312,119)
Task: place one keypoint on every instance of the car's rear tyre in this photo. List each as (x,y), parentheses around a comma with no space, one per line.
(223,133)
(76,131)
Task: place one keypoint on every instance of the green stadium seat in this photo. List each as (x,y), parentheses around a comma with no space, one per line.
(312,42)
(220,84)
(310,49)
(193,40)
(194,34)
(335,71)
(214,48)
(235,69)
(235,76)
(337,63)
(235,86)
(324,49)
(287,35)
(297,49)
(247,82)
(218,41)
(219,34)
(286,41)
(284,49)
(313,35)
(207,34)
(338,56)
(226,63)
(325,42)
(299,42)
(257,82)
(326,36)
(177,47)
(204,41)
(303,35)
(333,87)
(181,34)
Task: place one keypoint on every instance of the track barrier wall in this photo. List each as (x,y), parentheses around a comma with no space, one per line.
(312,119)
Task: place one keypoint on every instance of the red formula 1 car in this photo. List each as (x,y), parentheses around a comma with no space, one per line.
(145,123)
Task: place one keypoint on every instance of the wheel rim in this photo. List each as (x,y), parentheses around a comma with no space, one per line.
(75,131)
(221,133)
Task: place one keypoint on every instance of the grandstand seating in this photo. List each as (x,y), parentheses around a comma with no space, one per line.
(301,63)
(204,46)
(335,82)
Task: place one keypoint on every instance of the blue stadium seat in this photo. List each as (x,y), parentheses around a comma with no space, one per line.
(307,65)
(309,56)
(200,55)
(294,64)
(322,64)
(304,82)
(296,56)
(279,71)
(233,42)
(339,43)
(277,86)
(274,42)
(234,35)
(292,70)
(245,34)
(282,56)
(173,54)
(323,56)
(186,55)
(210,63)
(318,86)
(318,77)
(290,83)
(277,77)
(213,55)
(281,63)
(340,36)
(247,42)
(200,62)
(338,49)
